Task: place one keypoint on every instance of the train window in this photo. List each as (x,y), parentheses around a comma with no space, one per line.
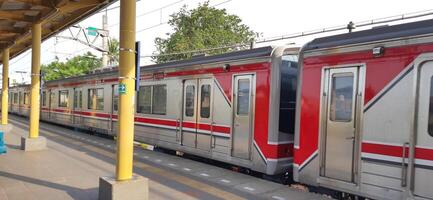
(243,104)
(15,98)
(44,98)
(26,98)
(52,98)
(95,99)
(63,98)
(20,98)
(189,100)
(205,101)
(78,100)
(430,116)
(116,98)
(144,99)
(159,99)
(341,97)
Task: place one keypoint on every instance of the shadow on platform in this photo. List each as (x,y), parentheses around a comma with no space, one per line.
(75,193)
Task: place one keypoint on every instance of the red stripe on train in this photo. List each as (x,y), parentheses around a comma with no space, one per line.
(396,151)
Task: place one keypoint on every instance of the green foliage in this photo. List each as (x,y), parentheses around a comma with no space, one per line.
(113,52)
(78,65)
(201,28)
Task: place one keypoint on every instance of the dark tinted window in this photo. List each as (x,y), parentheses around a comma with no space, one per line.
(145,100)
(289,78)
(205,101)
(243,106)
(44,98)
(159,101)
(430,116)
(189,100)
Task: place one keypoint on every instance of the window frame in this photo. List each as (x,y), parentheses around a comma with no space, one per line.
(95,92)
(208,109)
(152,99)
(62,104)
(332,97)
(186,113)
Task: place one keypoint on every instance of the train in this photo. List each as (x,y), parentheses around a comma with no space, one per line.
(351,112)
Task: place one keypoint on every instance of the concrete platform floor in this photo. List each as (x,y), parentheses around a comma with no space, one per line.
(73,162)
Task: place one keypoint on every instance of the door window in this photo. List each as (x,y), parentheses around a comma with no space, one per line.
(95,99)
(189,100)
(44,98)
(243,106)
(205,101)
(116,97)
(63,98)
(341,97)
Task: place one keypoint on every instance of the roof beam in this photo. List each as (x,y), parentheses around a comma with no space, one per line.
(43,3)
(16,16)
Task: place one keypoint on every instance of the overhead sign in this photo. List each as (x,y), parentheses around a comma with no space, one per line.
(92,31)
(122,88)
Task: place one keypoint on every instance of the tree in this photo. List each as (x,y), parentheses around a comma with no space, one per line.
(201,28)
(78,65)
(113,52)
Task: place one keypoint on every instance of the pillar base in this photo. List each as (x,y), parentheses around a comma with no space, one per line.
(33,144)
(135,189)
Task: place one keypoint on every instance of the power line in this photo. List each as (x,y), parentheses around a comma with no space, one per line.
(345,27)
(152,11)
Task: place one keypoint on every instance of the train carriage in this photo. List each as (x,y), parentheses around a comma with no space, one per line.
(364,122)
(226,107)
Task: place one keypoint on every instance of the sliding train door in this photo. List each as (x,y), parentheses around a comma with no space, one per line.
(77,108)
(189,135)
(341,97)
(423,158)
(114,109)
(242,116)
(197,114)
(204,114)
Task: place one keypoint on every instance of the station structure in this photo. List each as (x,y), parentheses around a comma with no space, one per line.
(24,24)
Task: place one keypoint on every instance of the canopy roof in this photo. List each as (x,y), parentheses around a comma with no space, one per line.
(17,17)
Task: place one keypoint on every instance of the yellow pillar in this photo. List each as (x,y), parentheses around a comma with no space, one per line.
(35,85)
(5,86)
(126,100)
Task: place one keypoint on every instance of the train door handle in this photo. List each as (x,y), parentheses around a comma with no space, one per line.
(237,124)
(350,138)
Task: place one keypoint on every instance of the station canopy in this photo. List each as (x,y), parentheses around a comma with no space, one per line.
(17,17)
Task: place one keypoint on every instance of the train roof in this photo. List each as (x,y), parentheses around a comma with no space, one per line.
(237,55)
(375,34)
(226,57)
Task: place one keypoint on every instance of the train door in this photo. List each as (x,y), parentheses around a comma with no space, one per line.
(242,116)
(204,117)
(341,87)
(189,134)
(114,108)
(78,104)
(423,158)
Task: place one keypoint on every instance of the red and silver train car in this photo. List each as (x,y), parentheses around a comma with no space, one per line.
(365,112)
(237,107)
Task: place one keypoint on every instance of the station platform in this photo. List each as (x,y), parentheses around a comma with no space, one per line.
(71,165)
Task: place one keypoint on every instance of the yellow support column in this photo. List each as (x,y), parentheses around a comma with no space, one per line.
(35,75)
(5,86)
(125,185)
(34,142)
(125,141)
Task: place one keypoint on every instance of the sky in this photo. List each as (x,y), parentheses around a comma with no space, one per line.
(271,18)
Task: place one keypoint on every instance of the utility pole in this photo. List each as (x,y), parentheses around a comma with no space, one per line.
(105,39)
